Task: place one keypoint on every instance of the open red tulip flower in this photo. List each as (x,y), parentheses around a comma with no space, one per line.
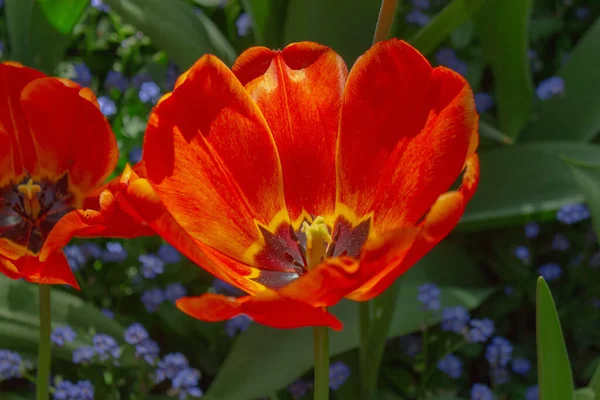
(303,184)
(56,151)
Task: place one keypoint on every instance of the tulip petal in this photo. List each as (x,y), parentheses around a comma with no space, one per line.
(266,307)
(211,158)
(387,257)
(70,134)
(140,195)
(107,214)
(19,151)
(54,271)
(299,91)
(405,132)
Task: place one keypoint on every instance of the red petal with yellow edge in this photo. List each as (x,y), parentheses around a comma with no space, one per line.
(110,216)
(299,91)
(405,132)
(266,307)
(211,158)
(54,271)
(8,268)
(391,255)
(70,133)
(13,78)
(141,196)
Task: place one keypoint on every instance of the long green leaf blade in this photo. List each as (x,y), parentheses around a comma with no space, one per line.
(576,115)
(347,30)
(588,177)
(522,181)
(33,41)
(63,14)
(174,27)
(444,23)
(554,367)
(504,30)
(268,20)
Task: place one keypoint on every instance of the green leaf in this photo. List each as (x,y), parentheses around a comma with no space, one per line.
(208,3)
(175,28)
(33,41)
(588,177)
(375,320)
(19,321)
(576,115)
(488,131)
(503,26)
(268,20)
(520,181)
(428,38)
(347,30)
(63,14)
(554,369)
(446,265)
(595,382)
(585,394)
(261,350)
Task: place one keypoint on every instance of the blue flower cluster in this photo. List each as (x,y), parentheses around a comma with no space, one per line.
(106,347)
(151,265)
(550,271)
(417,16)
(82,390)
(550,87)
(115,252)
(483,102)
(243,24)
(572,213)
(447,57)
(184,380)
(145,348)
(299,388)
(455,319)
(237,324)
(338,374)
(62,335)
(11,365)
(429,296)
(480,391)
(480,330)
(154,297)
(451,365)
(521,366)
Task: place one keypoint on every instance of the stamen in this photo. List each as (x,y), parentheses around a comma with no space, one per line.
(317,239)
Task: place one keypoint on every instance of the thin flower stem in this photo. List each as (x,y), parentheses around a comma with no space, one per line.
(321,350)
(385,20)
(44,350)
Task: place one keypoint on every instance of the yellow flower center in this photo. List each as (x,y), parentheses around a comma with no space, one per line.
(318,239)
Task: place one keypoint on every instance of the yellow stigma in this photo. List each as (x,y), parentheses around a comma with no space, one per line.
(317,239)
(31,203)
(29,189)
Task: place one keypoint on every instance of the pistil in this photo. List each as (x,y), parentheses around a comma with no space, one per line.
(317,240)
(31,202)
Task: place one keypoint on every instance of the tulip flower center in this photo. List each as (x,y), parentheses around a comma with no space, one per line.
(286,253)
(29,210)
(317,240)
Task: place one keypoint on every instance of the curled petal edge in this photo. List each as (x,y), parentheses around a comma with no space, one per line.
(399,250)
